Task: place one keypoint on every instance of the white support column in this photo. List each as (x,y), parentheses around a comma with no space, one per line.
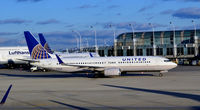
(134,44)
(95,39)
(114,41)
(174,40)
(154,45)
(195,39)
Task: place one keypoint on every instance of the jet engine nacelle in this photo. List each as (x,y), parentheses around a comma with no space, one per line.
(112,72)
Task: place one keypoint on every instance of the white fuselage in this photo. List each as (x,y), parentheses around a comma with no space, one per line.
(76,55)
(126,63)
(13,54)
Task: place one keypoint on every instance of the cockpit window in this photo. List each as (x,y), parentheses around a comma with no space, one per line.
(167,60)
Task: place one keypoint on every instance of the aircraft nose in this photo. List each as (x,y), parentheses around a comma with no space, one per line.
(174,65)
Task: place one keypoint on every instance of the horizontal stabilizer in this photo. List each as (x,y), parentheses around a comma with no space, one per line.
(29,60)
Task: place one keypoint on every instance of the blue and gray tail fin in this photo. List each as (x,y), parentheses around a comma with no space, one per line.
(6,95)
(36,50)
(44,43)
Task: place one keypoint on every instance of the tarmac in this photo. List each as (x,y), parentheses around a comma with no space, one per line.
(179,89)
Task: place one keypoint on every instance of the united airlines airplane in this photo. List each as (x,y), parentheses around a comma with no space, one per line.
(109,66)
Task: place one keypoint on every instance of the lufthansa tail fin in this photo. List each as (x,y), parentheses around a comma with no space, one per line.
(6,95)
(44,43)
(36,50)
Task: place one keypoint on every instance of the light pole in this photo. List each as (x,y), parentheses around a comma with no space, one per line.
(95,38)
(76,42)
(174,39)
(87,43)
(105,44)
(154,46)
(114,40)
(195,29)
(195,38)
(80,41)
(134,47)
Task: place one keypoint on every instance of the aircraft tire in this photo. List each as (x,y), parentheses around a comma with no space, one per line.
(160,75)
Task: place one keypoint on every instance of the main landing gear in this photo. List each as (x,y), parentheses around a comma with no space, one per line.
(97,75)
(161,73)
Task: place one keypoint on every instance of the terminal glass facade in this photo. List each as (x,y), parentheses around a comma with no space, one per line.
(181,43)
(178,44)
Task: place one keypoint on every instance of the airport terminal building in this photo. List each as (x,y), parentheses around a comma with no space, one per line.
(179,44)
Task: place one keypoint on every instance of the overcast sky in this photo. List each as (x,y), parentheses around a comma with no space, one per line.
(57,18)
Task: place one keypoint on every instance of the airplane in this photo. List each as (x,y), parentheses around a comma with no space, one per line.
(44,43)
(6,95)
(9,56)
(12,56)
(109,66)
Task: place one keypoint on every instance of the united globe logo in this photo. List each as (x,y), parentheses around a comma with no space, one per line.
(46,46)
(39,52)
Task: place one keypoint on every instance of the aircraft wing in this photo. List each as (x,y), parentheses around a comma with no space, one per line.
(29,60)
(79,66)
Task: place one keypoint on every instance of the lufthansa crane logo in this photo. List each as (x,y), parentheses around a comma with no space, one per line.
(39,52)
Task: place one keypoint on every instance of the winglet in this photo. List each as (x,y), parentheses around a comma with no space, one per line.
(91,55)
(59,60)
(6,95)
